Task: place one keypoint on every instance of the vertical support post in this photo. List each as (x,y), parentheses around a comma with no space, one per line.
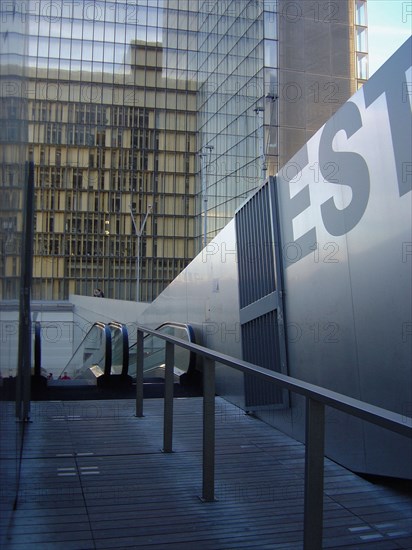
(139,373)
(23,380)
(168,403)
(314,465)
(208,488)
(138,268)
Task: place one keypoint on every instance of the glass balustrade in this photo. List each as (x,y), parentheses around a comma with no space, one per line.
(93,356)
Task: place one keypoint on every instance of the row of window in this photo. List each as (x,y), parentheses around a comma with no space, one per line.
(91,252)
(86,114)
(109,181)
(55,133)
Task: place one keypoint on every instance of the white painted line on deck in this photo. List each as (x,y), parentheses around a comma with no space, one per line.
(89,470)
(397,533)
(371,537)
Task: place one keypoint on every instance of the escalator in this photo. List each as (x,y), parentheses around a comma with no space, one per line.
(154,354)
(104,363)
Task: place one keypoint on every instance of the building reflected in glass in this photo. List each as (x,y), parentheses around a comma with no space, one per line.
(182,106)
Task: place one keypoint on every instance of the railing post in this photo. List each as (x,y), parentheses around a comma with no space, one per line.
(314,465)
(139,373)
(208,488)
(168,396)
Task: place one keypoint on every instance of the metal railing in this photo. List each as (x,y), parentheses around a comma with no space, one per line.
(316,399)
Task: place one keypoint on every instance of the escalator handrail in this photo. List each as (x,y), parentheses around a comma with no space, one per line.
(125,346)
(191,335)
(108,351)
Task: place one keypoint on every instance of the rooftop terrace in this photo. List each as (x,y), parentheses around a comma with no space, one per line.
(93,477)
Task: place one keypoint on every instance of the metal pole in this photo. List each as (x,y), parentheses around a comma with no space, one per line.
(208,488)
(204,196)
(314,464)
(259,111)
(168,403)
(138,268)
(139,234)
(205,199)
(139,373)
(205,219)
(23,380)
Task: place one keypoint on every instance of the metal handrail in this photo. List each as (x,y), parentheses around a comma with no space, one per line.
(316,400)
(191,338)
(125,345)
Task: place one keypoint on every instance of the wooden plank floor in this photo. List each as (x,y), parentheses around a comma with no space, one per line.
(93,477)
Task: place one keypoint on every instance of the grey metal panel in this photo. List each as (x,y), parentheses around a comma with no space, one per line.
(255,248)
(206,295)
(347,290)
(260,288)
(260,307)
(345,210)
(261,346)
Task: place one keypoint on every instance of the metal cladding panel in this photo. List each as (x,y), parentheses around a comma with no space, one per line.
(205,295)
(261,347)
(345,213)
(256,262)
(261,306)
(344,204)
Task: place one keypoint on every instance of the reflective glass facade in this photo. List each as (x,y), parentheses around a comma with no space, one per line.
(113,133)
(13,187)
(231,85)
(13,144)
(175,108)
(270,74)
(361,41)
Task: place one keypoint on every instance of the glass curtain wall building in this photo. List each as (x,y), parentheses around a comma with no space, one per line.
(175,108)
(13,143)
(113,136)
(271,72)
(13,193)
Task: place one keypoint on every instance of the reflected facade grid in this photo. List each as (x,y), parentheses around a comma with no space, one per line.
(182,106)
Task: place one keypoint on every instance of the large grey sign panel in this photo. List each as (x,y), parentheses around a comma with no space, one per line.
(346,245)
(345,210)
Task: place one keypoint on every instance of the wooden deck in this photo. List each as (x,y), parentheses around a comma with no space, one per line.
(93,477)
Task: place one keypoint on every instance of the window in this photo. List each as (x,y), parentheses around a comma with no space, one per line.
(77,179)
